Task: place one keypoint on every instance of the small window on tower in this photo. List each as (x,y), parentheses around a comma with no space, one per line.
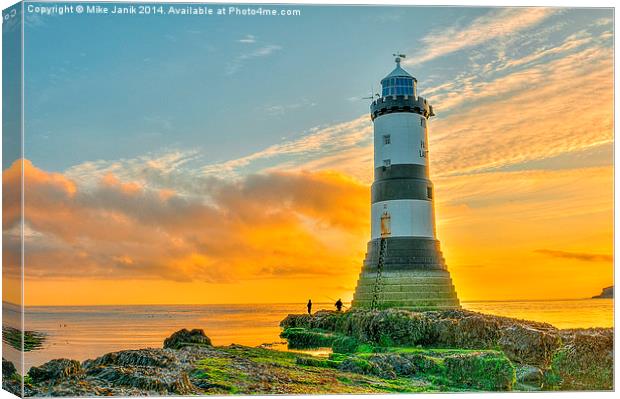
(387,139)
(387,163)
(422,122)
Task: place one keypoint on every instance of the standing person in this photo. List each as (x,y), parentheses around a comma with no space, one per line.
(339,304)
(309,305)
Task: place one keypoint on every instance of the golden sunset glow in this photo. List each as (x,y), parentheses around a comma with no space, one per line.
(510,235)
(521,158)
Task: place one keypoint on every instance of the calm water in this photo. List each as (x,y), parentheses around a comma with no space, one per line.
(87,332)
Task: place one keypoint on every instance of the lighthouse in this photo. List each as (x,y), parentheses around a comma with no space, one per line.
(404,266)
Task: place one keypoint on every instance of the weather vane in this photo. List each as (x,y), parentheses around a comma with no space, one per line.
(399,56)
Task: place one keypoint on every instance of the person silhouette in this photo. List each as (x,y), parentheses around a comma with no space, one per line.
(339,305)
(309,305)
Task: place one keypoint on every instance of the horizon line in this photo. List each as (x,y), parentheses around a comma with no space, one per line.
(279,303)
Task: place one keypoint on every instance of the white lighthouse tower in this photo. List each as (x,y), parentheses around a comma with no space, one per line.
(404,266)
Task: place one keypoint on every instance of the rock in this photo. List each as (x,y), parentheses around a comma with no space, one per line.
(564,359)
(529,375)
(8,369)
(585,362)
(15,387)
(344,344)
(316,362)
(128,358)
(301,338)
(489,372)
(527,345)
(525,342)
(297,321)
(145,370)
(399,327)
(9,383)
(425,365)
(185,337)
(356,365)
(55,370)
(472,331)
(607,292)
(147,379)
(392,365)
(323,320)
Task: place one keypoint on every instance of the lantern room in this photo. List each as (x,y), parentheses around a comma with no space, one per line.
(398,83)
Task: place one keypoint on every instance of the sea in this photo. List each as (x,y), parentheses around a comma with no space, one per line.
(86,332)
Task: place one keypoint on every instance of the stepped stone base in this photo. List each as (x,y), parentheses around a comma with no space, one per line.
(414,276)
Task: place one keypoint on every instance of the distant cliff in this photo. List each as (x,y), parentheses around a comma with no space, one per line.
(608,292)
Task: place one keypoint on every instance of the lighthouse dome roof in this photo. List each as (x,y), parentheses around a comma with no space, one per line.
(399,72)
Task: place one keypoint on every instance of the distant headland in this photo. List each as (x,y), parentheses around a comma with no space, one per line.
(607,292)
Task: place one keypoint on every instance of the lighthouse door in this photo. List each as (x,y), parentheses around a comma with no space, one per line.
(385,224)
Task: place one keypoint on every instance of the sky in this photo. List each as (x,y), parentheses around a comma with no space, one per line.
(228,159)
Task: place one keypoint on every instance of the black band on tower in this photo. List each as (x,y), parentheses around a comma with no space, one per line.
(400,171)
(405,253)
(399,189)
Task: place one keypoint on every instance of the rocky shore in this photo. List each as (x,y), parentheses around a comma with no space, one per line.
(492,352)
(606,293)
(373,352)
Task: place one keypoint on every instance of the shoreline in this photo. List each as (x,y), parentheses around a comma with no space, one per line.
(328,303)
(372,352)
(76,333)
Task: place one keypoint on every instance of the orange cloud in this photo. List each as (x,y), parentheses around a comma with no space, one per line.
(260,227)
(586,257)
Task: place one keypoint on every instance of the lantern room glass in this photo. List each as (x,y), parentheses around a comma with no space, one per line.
(397,87)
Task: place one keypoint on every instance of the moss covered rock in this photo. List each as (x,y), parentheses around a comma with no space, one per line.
(585,362)
(316,362)
(54,370)
(569,359)
(487,371)
(357,365)
(451,329)
(302,338)
(344,344)
(186,337)
(8,368)
(527,345)
(528,378)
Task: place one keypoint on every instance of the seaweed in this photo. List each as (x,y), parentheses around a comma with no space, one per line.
(32,340)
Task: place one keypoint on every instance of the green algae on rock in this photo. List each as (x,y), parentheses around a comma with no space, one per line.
(585,361)
(301,338)
(569,359)
(32,340)
(381,359)
(185,337)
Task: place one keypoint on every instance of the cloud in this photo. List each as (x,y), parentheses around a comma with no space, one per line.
(150,169)
(586,257)
(526,115)
(259,227)
(281,109)
(496,24)
(512,120)
(248,39)
(263,51)
(572,42)
(316,143)
(515,111)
